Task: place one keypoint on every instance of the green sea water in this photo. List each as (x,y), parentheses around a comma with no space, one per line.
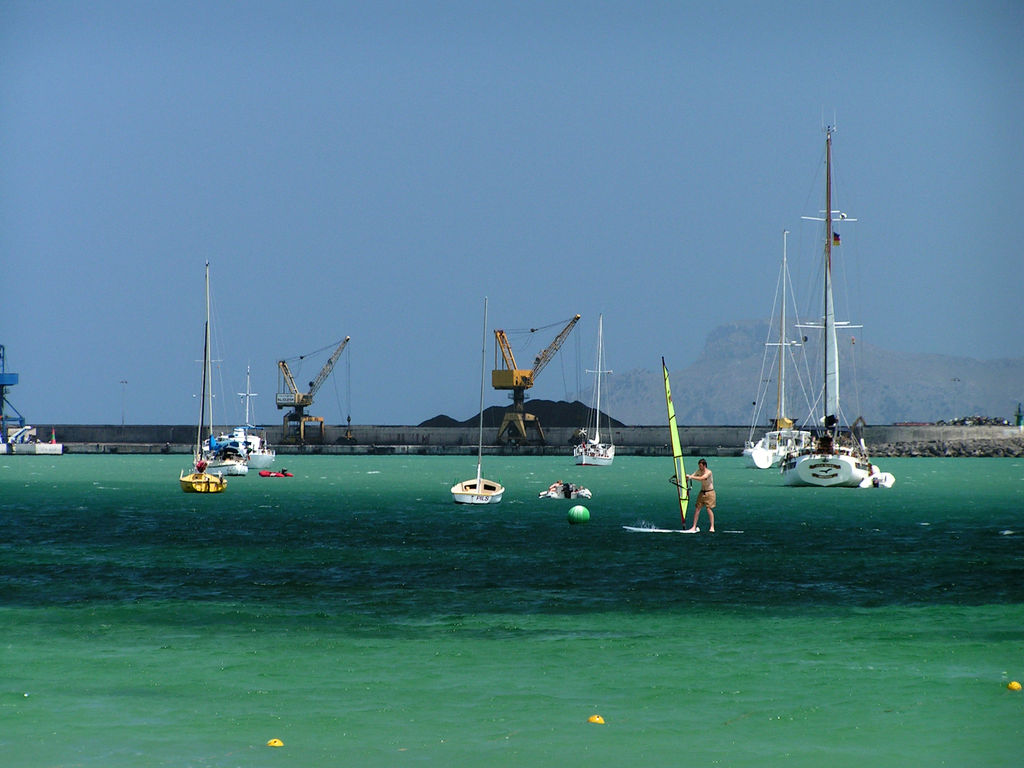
(355,613)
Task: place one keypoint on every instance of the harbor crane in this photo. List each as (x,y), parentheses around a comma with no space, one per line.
(296,419)
(7,380)
(510,376)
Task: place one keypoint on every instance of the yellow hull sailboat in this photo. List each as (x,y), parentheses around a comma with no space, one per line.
(199,480)
(202,482)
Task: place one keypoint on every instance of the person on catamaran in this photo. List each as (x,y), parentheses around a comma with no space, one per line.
(706,497)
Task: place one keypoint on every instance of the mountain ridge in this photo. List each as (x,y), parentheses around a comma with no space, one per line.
(882,386)
(720,387)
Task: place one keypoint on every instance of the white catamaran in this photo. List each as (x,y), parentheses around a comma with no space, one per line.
(782,438)
(591,451)
(479,490)
(837,457)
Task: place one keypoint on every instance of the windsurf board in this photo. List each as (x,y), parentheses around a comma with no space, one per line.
(637,529)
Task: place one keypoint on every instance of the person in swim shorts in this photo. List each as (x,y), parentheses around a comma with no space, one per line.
(706,497)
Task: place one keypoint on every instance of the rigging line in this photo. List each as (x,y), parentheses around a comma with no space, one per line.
(216,360)
(762,381)
(333,345)
(348,387)
(565,381)
(578,366)
(854,354)
(337,395)
(521,331)
(841,262)
(805,384)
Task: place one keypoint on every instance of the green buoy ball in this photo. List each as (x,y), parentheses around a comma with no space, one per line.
(579,514)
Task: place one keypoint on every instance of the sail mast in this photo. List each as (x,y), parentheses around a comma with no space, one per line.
(208,371)
(780,406)
(483,368)
(206,359)
(248,395)
(600,370)
(679,477)
(831,384)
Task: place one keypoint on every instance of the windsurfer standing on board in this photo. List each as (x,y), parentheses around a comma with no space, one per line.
(706,497)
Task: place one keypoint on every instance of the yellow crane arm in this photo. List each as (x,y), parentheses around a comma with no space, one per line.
(286,372)
(328,367)
(545,357)
(506,350)
(293,398)
(511,376)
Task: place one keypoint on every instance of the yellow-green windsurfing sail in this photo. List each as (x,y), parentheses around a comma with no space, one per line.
(679,478)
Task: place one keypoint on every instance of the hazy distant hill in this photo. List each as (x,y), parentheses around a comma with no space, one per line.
(882,386)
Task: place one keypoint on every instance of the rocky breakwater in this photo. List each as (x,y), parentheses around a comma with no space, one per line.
(974,447)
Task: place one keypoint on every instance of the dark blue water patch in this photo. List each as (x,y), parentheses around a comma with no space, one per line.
(388,542)
(424,563)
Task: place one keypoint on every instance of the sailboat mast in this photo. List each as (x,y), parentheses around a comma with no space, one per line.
(600,370)
(780,406)
(483,369)
(206,357)
(202,399)
(679,478)
(247,396)
(208,370)
(829,323)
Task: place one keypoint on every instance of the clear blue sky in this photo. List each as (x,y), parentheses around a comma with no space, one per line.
(375,169)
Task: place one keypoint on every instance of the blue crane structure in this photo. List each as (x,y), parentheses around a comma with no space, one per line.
(7,380)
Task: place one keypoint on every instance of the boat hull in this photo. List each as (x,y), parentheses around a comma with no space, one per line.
(240,445)
(826,470)
(261,459)
(758,457)
(33,449)
(594,455)
(774,446)
(565,491)
(468,492)
(202,482)
(231,467)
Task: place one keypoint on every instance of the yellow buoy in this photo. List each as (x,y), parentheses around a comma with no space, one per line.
(596,719)
(1013,685)
(275,743)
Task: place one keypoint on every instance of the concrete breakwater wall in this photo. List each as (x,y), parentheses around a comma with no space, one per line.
(882,440)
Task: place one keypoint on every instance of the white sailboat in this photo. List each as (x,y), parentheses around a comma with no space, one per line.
(199,480)
(837,457)
(224,458)
(782,438)
(479,490)
(247,440)
(591,451)
(227,454)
